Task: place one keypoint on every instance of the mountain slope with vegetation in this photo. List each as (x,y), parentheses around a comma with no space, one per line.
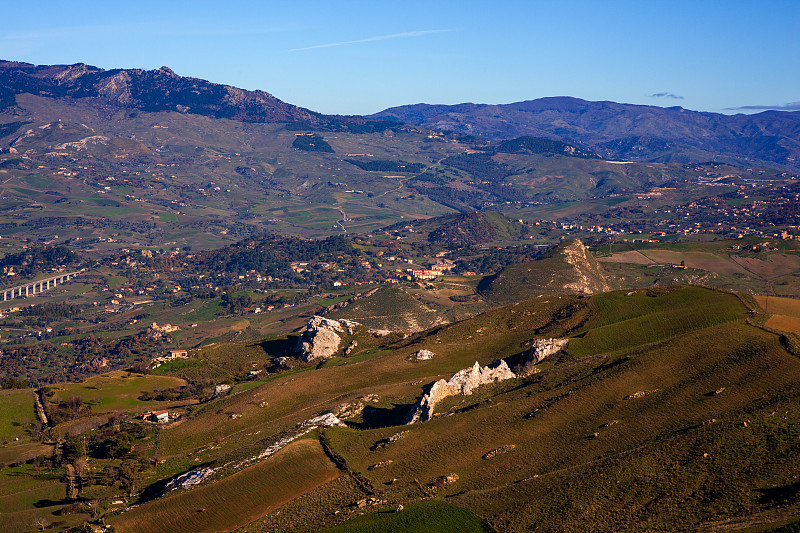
(623,131)
(568,268)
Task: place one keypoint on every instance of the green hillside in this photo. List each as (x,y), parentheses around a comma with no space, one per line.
(667,411)
(391,308)
(568,268)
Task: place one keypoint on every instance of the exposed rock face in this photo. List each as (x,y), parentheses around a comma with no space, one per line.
(497,451)
(322,337)
(116,88)
(443,481)
(327,420)
(349,349)
(543,348)
(590,276)
(385,442)
(221,389)
(462,382)
(423,355)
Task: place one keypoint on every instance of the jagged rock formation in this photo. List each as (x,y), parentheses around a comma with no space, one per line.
(349,349)
(590,276)
(463,382)
(327,420)
(497,451)
(322,336)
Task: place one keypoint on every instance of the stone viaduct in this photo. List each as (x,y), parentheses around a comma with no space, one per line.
(35,287)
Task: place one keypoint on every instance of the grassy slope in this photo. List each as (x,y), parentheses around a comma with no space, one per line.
(678,458)
(391,308)
(622,322)
(24,499)
(422,517)
(656,448)
(15,405)
(553,274)
(238,499)
(293,398)
(116,390)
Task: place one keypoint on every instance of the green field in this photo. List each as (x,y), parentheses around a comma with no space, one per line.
(624,320)
(16,412)
(115,391)
(27,500)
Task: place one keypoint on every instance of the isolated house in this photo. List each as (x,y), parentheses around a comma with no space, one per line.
(156,416)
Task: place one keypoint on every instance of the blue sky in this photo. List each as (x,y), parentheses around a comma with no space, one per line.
(353,57)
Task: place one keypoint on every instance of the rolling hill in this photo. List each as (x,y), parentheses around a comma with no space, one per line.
(567,269)
(666,411)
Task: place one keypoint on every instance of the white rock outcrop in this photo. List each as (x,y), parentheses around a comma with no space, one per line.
(322,336)
(462,382)
(423,355)
(543,348)
(326,420)
(221,389)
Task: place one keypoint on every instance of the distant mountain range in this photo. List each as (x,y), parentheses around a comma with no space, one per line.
(609,129)
(623,131)
(163,90)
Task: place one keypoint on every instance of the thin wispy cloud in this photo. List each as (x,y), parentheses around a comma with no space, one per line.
(402,35)
(791,106)
(666,95)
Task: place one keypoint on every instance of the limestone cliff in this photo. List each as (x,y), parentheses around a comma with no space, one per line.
(543,348)
(462,382)
(322,336)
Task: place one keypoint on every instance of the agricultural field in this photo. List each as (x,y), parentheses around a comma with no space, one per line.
(735,265)
(16,414)
(784,313)
(115,391)
(31,501)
